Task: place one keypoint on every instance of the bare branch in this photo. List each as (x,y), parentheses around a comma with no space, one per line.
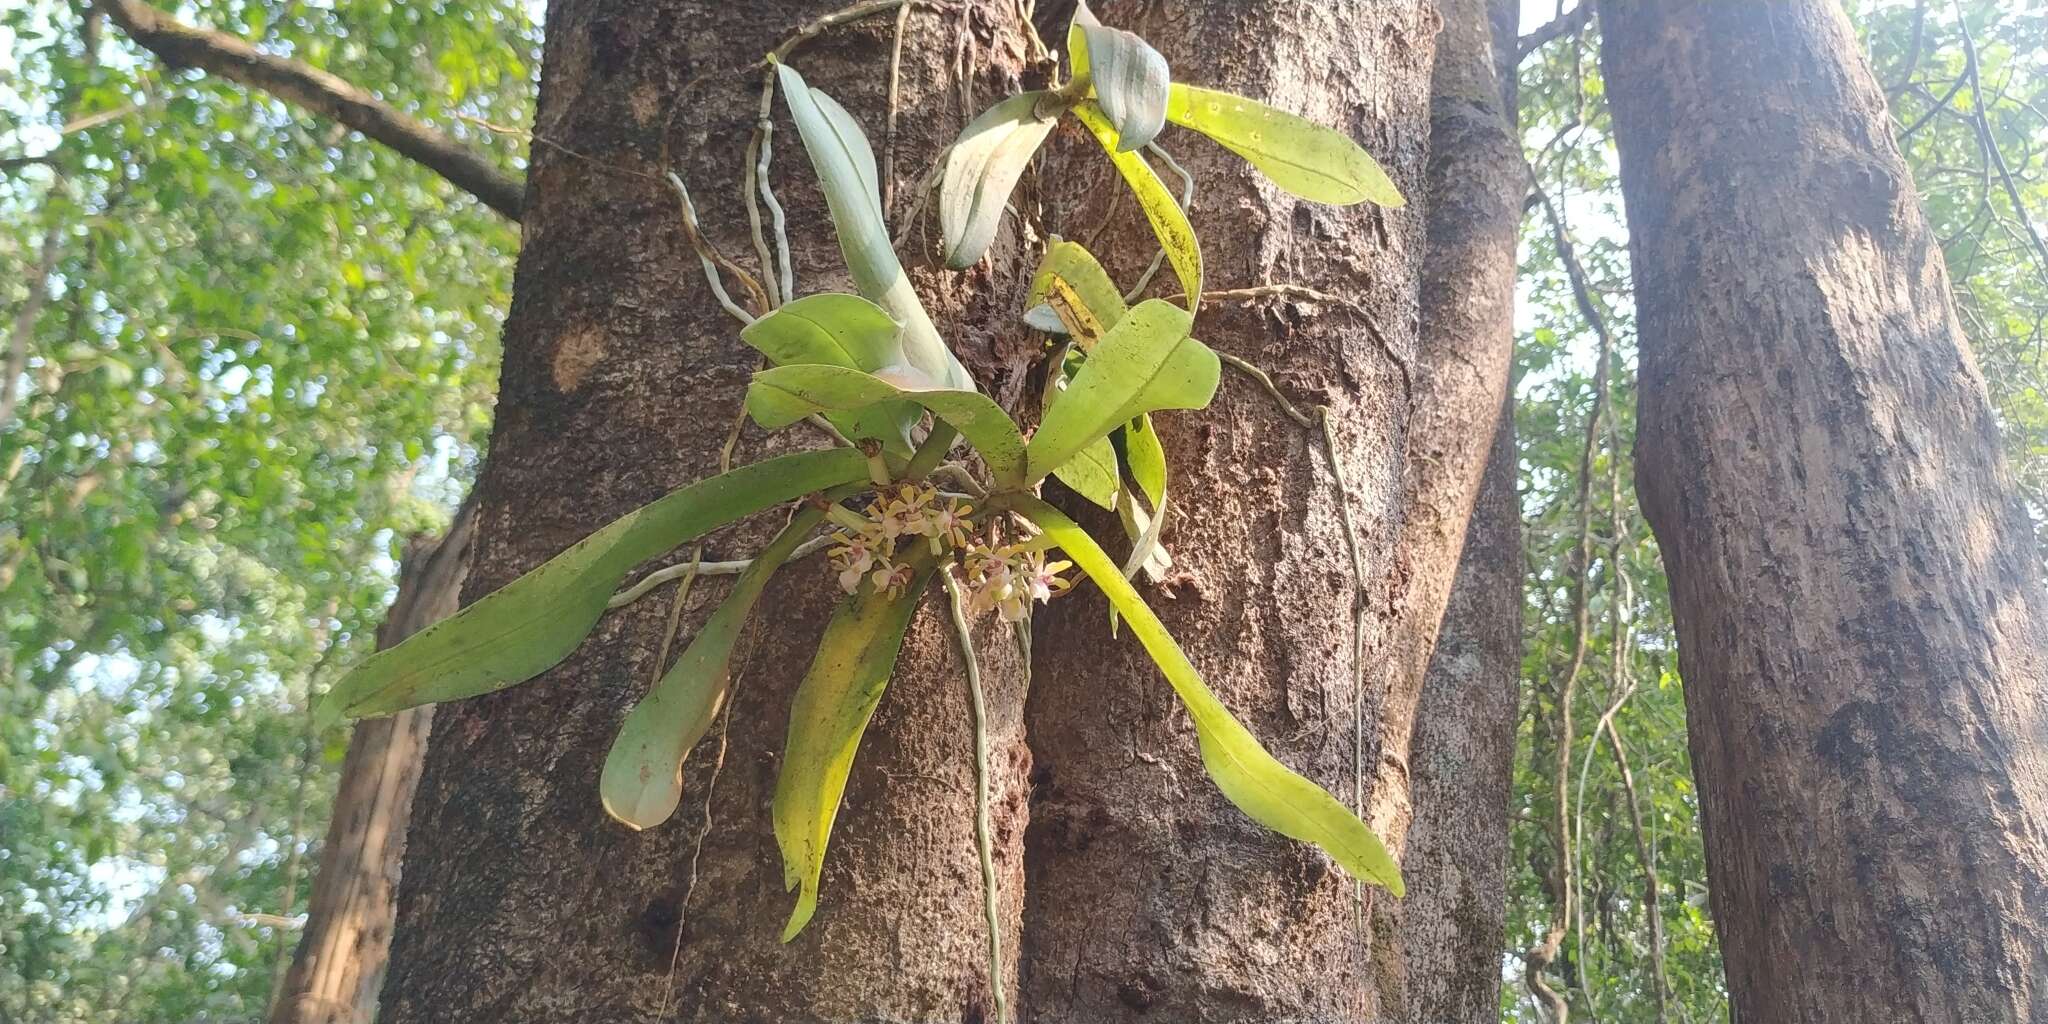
(1563,25)
(1992,157)
(183,46)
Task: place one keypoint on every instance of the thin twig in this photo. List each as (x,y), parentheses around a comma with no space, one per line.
(722,568)
(895,97)
(711,260)
(1266,380)
(1993,157)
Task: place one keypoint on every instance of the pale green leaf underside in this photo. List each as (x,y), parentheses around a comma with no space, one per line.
(785,394)
(1146,362)
(525,627)
(1129,79)
(845,163)
(1168,221)
(840,330)
(831,709)
(643,774)
(1147,459)
(1305,158)
(1271,793)
(982,170)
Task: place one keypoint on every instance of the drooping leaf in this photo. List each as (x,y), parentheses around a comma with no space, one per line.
(1305,158)
(830,711)
(1146,458)
(982,170)
(785,394)
(1079,292)
(1092,473)
(1128,76)
(1146,362)
(1271,793)
(840,330)
(643,773)
(1168,221)
(845,163)
(525,627)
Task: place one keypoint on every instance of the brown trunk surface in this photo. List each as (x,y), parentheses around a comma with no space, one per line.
(521,900)
(1463,677)
(1860,615)
(1148,895)
(339,963)
(1453,924)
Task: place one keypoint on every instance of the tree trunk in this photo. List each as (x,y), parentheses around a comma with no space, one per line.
(1147,894)
(339,963)
(1860,616)
(1463,676)
(520,899)
(1453,925)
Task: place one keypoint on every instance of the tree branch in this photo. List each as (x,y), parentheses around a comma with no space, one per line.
(184,46)
(1564,24)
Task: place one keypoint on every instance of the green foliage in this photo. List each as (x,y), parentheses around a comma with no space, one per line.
(781,396)
(1145,362)
(831,710)
(267,357)
(643,774)
(1303,157)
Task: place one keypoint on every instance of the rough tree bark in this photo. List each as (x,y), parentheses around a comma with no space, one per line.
(520,899)
(1147,894)
(339,963)
(1452,926)
(1861,620)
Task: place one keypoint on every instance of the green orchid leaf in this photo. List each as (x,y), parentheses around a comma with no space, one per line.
(841,330)
(1169,221)
(845,163)
(643,774)
(785,394)
(1305,158)
(1146,458)
(830,711)
(1092,473)
(1271,793)
(1128,76)
(1074,287)
(1146,362)
(982,170)
(524,628)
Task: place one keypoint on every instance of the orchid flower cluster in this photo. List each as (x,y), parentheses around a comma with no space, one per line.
(1005,579)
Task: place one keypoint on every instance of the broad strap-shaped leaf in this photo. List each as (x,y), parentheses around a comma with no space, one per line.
(982,170)
(1092,473)
(1271,793)
(840,330)
(830,711)
(1129,78)
(1169,221)
(524,628)
(1079,292)
(845,163)
(785,394)
(1146,362)
(1305,158)
(643,775)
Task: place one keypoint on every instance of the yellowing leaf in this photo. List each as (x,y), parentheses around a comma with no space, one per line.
(1080,292)
(982,170)
(1168,221)
(1305,158)
(1271,793)
(643,774)
(525,627)
(826,719)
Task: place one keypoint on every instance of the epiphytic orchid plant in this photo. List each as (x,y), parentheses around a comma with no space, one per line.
(875,368)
